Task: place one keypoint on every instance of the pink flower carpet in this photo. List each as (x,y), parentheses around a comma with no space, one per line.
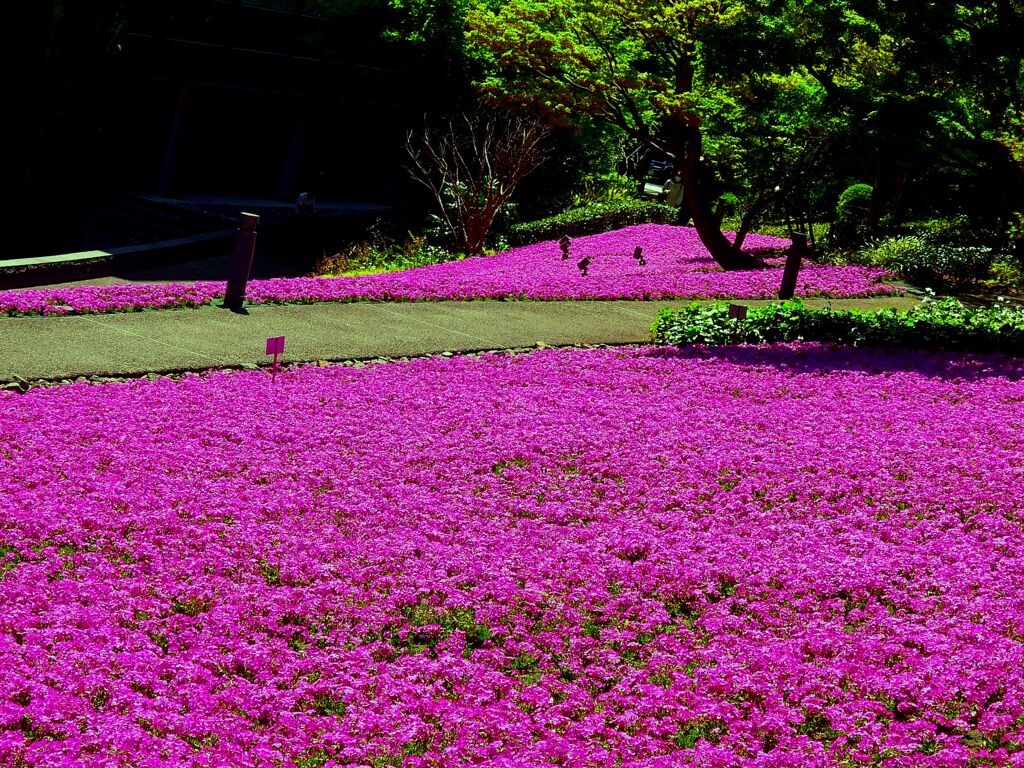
(676,266)
(640,558)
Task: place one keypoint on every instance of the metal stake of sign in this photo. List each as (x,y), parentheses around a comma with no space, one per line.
(737,312)
(241,262)
(793,256)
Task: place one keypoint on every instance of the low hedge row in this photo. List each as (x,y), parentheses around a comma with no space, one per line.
(945,324)
(591,220)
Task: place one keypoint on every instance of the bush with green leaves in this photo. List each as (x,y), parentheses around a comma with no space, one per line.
(930,263)
(850,224)
(892,251)
(592,219)
(947,266)
(958,230)
(946,324)
(1006,274)
(379,255)
(603,188)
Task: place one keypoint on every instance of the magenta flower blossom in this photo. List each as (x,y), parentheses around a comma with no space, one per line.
(795,555)
(677,266)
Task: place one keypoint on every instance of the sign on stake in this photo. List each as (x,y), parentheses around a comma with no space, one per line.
(275,347)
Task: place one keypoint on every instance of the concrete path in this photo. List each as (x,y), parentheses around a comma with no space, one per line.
(131,344)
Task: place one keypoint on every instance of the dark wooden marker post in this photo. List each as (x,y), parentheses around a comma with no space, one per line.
(793,257)
(241,262)
(563,243)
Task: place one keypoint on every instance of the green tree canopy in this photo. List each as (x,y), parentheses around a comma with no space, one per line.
(651,69)
(773,96)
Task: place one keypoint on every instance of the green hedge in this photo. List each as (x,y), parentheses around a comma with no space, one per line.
(945,324)
(591,220)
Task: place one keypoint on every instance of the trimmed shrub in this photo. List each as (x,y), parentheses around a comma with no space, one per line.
(945,324)
(850,225)
(591,220)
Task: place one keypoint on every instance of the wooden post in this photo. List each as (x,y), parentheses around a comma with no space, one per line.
(792,269)
(241,262)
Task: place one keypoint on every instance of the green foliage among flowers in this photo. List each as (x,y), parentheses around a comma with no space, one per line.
(591,220)
(378,255)
(946,324)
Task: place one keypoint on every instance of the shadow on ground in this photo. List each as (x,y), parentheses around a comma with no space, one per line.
(821,359)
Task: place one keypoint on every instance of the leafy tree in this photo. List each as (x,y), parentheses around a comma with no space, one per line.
(425,37)
(652,69)
(784,101)
(926,90)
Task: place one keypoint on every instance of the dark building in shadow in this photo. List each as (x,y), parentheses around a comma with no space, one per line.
(192,98)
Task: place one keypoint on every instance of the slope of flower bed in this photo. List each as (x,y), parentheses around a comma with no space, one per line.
(637,557)
(677,266)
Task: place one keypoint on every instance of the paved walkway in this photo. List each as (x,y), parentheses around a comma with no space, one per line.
(132,344)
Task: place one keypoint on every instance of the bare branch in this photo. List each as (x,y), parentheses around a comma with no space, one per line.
(471,168)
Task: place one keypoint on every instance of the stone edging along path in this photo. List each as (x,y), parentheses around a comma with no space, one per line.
(24,386)
(34,349)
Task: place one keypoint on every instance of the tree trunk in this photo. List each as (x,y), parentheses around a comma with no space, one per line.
(898,195)
(686,146)
(875,203)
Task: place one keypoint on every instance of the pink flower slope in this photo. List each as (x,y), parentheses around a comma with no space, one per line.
(739,557)
(678,266)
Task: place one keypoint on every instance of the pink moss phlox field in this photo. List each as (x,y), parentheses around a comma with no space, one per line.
(789,556)
(678,266)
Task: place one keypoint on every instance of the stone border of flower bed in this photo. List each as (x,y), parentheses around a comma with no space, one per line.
(22,387)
